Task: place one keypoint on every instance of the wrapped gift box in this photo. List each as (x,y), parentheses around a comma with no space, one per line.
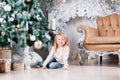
(5,65)
(5,54)
(18,66)
(5,60)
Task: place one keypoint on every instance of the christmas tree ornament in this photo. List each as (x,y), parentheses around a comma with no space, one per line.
(38,30)
(7,7)
(4,21)
(32,38)
(2,33)
(28,0)
(18,26)
(38,44)
(1,20)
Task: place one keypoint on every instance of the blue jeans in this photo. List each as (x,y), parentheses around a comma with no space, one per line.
(53,64)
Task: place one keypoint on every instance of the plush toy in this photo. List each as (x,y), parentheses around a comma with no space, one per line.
(27,60)
(31,58)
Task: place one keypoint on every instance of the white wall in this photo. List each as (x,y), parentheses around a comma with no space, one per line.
(73,35)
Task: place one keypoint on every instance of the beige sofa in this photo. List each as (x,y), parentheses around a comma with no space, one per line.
(106,38)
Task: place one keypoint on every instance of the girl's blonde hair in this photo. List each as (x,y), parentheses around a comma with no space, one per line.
(55,40)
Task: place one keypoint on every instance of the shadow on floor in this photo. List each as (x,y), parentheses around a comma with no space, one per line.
(112,61)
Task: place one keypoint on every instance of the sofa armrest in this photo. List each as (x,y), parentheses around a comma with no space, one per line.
(89,31)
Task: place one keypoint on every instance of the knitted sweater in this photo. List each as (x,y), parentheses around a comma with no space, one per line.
(61,55)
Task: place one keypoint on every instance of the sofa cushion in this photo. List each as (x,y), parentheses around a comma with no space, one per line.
(109,25)
(102,40)
(104,47)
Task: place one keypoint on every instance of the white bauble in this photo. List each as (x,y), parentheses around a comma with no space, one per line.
(32,38)
(7,8)
(2,33)
(4,21)
(38,44)
(11,19)
(1,20)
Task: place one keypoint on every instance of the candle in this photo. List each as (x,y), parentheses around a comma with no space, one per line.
(53,26)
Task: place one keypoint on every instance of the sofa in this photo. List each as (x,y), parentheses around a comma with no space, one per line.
(105,39)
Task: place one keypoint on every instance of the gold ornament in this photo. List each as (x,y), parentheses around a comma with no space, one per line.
(18,26)
(38,30)
(38,44)
(28,0)
(2,33)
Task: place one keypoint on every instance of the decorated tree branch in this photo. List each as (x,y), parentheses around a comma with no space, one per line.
(23,22)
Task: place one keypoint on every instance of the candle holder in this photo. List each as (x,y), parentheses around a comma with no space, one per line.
(53,32)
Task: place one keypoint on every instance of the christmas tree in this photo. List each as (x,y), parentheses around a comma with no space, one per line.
(23,22)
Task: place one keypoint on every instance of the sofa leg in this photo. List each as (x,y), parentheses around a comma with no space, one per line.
(82,55)
(118,53)
(119,57)
(100,59)
(100,55)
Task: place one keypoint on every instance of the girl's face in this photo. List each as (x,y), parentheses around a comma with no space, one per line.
(60,41)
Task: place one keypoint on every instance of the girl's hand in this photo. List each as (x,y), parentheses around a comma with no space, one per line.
(43,67)
(67,68)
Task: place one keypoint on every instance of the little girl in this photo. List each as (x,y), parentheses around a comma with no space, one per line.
(58,56)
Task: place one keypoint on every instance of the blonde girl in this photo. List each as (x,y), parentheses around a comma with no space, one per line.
(58,56)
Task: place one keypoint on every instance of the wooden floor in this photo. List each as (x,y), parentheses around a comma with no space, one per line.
(106,71)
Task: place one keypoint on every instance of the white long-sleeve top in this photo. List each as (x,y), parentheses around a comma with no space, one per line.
(61,55)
